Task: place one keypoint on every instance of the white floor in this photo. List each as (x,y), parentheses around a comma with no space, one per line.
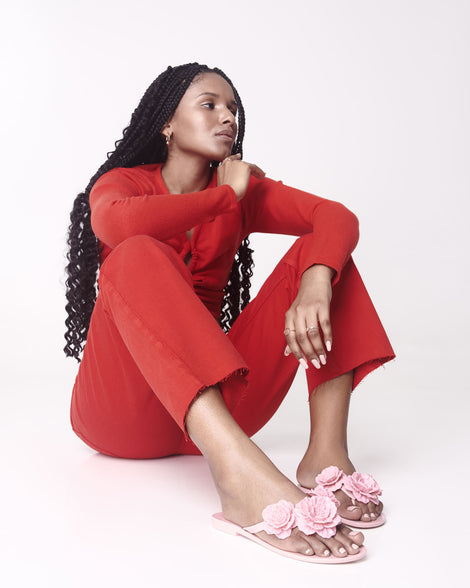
(72,517)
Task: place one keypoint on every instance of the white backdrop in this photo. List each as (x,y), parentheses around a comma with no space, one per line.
(364,102)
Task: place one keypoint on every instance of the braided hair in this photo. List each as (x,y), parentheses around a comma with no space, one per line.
(142,143)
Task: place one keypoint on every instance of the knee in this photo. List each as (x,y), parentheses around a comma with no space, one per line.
(139,251)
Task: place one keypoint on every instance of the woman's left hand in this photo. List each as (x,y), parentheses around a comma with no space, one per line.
(307,322)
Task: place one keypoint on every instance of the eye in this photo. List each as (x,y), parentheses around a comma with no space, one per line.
(209,104)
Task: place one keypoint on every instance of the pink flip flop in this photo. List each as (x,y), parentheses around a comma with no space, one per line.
(361,487)
(313,514)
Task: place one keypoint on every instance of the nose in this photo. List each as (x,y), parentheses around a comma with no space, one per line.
(229,117)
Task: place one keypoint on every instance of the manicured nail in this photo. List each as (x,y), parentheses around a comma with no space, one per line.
(326,552)
(372,515)
(303,363)
(354,546)
(366,517)
(287,350)
(323,359)
(352,507)
(342,550)
(328,345)
(354,533)
(316,363)
(308,551)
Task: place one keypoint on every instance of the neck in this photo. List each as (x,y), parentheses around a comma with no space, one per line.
(186,174)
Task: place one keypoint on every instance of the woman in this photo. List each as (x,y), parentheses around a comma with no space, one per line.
(169,367)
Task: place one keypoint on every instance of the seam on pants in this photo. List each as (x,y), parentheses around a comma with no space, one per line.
(241,370)
(263,302)
(139,318)
(279,282)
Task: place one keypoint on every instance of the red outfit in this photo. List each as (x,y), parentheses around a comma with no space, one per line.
(155,338)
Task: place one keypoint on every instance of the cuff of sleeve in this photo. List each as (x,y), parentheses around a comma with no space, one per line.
(309,252)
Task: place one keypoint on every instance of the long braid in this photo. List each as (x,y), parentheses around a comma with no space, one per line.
(141,143)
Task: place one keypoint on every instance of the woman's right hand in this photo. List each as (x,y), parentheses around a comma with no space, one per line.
(236,173)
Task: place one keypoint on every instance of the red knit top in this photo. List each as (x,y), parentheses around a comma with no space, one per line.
(135,201)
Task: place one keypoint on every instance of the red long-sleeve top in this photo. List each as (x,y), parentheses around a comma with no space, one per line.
(135,201)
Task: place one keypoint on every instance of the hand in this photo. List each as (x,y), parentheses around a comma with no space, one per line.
(307,321)
(236,173)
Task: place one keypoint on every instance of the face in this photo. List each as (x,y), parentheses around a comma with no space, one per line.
(204,123)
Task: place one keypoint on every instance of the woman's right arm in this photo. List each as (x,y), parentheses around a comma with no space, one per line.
(119,209)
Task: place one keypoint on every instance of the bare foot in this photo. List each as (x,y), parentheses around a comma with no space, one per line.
(251,482)
(315,460)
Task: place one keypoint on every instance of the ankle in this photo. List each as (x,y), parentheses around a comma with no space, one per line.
(320,444)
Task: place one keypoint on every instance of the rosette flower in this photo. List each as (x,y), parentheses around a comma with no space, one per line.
(324,491)
(361,487)
(317,514)
(279,519)
(331,478)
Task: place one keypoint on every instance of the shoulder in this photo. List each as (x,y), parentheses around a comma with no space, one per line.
(132,180)
(132,173)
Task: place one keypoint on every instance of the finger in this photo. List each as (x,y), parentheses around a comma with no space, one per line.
(290,334)
(256,171)
(313,334)
(325,325)
(303,338)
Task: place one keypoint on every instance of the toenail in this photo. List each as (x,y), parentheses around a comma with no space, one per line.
(326,552)
(352,508)
(308,551)
(354,533)
(372,515)
(342,550)
(354,546)
(366,517)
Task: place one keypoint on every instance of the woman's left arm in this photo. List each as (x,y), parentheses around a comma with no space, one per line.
(272,207)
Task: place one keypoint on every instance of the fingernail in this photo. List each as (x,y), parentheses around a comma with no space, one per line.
(328,345)
(303,363)
(316,363)
(354,546)
(323,359)
(287,350)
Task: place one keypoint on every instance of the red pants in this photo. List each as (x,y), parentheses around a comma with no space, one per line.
(152,346)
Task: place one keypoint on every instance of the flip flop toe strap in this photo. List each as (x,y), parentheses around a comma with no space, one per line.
(313,514)
(357,486)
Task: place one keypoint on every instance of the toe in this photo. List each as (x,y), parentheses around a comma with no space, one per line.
(351,540)
(298,543)
(365,513)
(372,510)
(318,546)
(336,547)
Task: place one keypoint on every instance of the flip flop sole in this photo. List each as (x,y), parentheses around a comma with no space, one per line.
(378,522)
(220,523)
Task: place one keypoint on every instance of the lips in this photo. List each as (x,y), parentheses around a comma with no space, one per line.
(228,134)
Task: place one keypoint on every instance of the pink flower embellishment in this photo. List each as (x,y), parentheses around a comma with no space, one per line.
(323,491)
(279,519)
(331,477)
(361,487)
(317,514)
